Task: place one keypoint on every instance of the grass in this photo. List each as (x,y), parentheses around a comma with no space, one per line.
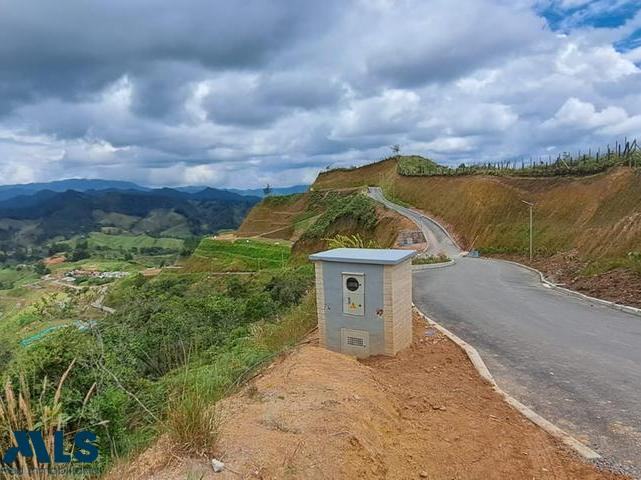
(357,207)
(239,255)
(279,200)
(19,412)
(565,164)
(417,165)
(127,242)
(289,328)
(631,262)
(390,194)
(99,264)
(12,278)
(276,216)
(350,241)
(431,259)
(193,423)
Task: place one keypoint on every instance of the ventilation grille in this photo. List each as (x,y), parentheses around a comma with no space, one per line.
(356,342)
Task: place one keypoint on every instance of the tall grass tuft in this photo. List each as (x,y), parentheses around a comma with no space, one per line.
(193,423)
(350,241)
(19,412)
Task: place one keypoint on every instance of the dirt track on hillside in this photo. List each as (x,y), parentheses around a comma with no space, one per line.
(316,414)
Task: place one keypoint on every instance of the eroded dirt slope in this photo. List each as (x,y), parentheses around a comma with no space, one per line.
(288,217)
(599,215)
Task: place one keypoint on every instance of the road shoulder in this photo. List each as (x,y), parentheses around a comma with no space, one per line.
(425,413)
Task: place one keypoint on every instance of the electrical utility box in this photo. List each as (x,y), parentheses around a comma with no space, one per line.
(364,300)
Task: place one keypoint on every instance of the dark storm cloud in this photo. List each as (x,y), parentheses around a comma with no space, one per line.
(161,89)
(77,47)
(244,93)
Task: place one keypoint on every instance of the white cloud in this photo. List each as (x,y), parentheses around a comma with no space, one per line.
(601,63)
(391,112)
(311,87)
(577,114)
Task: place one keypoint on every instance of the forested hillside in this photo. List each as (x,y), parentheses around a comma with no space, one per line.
(29,223)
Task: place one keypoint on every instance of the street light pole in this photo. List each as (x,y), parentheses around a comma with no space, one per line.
(531,205)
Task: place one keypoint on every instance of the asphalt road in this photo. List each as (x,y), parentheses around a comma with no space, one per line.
(438,240)
(576,363)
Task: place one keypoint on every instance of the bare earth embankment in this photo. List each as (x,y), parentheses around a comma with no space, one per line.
(587,230)
(426,413)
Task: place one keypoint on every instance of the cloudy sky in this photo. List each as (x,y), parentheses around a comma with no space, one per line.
(228,93)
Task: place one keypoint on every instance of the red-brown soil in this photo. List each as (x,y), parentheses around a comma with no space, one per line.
(598,215)
(426,413)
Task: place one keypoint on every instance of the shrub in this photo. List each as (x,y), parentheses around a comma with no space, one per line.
(259,306)
(288,329)
(357,207)
(440,258)
(288,287)
(236,288)
(193,423)
(41,269)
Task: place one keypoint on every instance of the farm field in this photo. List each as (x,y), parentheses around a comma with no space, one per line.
(99,239)
(99,265)
(11,277)
(239,255)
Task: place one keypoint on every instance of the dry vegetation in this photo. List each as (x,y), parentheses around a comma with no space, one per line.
(18,411)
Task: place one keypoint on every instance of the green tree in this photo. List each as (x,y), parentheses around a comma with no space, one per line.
(189,246)
(41,269)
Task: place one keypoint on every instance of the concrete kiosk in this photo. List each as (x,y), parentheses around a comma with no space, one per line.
(364,300)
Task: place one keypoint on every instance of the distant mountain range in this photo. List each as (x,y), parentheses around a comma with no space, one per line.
(30,221)
(258,192)
(82,185)
(78,184)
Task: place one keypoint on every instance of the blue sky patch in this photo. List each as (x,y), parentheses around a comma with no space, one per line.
(563,16)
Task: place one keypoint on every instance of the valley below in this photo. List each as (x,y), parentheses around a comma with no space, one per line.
(184,322)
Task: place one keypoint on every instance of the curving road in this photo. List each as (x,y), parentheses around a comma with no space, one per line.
(438,240)
(574,362)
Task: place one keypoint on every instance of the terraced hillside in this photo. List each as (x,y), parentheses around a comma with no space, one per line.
(282,217)
(311,218)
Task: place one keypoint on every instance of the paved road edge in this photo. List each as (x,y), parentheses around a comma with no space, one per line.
(530,414)
(549,284)
(432,266)
(415,211)
(545,281)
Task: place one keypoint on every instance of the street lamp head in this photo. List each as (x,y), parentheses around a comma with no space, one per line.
(528,203)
